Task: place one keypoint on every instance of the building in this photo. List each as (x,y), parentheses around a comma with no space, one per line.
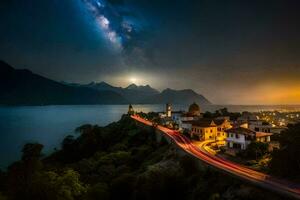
(130,110)
(240,138)
(168,110)
(177,116)
(184,120)
(180,119)
(223,124)
(167,113)
(263,137)
(204,129)
(251,121)
(208,129)
(186,126)
(263,126)
(166,117)
(194,110)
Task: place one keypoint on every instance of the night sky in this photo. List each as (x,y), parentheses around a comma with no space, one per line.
(232,52)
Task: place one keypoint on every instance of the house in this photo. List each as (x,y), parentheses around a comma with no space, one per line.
(240,138)
(186,125)
(177,116)
(223,124)
(204,129)
(263,137)
(207,129)
(182,119)
(263,126)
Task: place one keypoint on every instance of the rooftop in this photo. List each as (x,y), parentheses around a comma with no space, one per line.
(263,134)
(204,123)
(241,130)
(219,122)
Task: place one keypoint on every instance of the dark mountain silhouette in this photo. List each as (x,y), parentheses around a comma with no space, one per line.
(145,89)
(101,86)
(22,87)
(148,95)
(133,93)
(186,96)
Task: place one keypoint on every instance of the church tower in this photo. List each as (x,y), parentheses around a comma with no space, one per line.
(168,110)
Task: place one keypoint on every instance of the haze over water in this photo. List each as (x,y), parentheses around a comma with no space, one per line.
(48,125)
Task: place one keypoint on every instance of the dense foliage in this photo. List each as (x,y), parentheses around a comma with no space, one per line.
(255,150)
(221,113)
(119,161)
(286,160)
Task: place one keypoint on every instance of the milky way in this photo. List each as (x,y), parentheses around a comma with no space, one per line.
(111,22)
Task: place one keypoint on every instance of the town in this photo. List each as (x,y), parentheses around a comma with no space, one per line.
(249,145)
(228,134)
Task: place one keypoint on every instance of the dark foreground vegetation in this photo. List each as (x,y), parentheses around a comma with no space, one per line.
(286,160)
(119,161)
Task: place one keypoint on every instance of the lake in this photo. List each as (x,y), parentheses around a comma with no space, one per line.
(48,125)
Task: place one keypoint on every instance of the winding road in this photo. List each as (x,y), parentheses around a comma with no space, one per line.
(250,175)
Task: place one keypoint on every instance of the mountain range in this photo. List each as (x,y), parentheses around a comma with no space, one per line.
(23,87)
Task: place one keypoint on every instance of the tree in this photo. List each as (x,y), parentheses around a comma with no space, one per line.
(256,150)
(68,142)
(32,151)
(123,186)
(22,173)
(286,160)
(2,197)
(49,185)
(161,181)
(98,191)
(222,112)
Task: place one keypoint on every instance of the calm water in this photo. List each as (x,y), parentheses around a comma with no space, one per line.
(48,125)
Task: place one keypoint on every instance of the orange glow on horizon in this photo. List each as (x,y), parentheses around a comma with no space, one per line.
(274,94)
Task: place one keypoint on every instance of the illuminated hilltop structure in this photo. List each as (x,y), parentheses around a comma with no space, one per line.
(130,110)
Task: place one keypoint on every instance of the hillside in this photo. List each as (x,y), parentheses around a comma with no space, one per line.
(119,161)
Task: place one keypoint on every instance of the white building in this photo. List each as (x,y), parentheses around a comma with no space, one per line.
(240,138)
(262,126)
(181,118)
